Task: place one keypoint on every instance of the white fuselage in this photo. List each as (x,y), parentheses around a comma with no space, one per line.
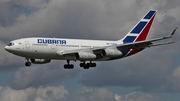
(47,48)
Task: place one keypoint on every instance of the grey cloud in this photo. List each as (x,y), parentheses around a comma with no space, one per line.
(9,13)
(37,76)
(32,94)
(139,96)
(34,4)
(60,93)
(92,94)
(174,81)
(57,18)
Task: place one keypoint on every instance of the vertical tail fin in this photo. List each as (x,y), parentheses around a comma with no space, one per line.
(141,29)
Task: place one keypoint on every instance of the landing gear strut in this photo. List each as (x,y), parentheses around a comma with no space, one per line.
(88,65)
(28,63)
(68,65)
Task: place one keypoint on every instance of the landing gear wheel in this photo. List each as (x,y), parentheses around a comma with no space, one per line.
(88,65)
(28,64)
(68,66)
(93,64)
(82,64)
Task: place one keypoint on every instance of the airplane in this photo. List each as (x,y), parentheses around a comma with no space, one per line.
(40,50)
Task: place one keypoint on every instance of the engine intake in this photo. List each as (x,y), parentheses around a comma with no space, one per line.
(40,61)
(85,56)
(111,53)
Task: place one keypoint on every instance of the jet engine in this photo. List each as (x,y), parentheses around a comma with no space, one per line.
(40,61)
(111,53)
(85,56)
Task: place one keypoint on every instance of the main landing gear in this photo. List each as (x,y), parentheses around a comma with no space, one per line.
(68,66)
(83,65)
(28,63)
(88,65)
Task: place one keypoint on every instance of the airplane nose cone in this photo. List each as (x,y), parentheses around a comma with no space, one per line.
(7,48)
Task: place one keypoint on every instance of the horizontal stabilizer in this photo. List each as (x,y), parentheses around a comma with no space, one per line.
(159,44)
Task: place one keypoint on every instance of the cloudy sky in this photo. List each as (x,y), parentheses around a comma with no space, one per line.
(152,75)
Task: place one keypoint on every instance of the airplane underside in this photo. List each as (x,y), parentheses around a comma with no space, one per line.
(44,58)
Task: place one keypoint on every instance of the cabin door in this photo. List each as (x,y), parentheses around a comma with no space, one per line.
(27,45)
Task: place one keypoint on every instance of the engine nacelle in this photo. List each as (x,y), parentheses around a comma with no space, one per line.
(111,53)
(85,56)
(40,61)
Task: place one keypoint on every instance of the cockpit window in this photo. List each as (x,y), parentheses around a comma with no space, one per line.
(10,44)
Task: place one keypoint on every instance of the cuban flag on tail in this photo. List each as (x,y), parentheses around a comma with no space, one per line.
(138,33)
(141,29)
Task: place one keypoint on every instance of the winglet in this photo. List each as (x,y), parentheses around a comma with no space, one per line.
(171,34)
(173,31)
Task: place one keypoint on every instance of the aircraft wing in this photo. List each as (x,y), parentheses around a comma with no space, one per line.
(136,45)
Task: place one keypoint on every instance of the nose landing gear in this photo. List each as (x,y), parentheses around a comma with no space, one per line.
(28,63)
